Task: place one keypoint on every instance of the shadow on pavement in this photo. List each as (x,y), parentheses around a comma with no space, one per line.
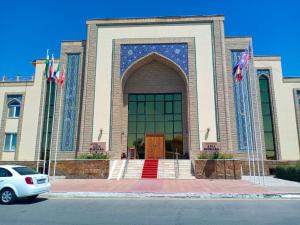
(25,201)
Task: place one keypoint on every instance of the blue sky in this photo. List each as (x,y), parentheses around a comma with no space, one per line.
(28,28)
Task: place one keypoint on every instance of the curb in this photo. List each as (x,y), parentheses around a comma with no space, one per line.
(155,195)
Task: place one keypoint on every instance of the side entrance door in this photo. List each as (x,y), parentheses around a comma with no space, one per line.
(154,146)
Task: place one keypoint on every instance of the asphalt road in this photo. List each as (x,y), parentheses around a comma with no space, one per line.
(150,212)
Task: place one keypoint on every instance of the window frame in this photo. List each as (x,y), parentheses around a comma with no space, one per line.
(14,108)
(10,142)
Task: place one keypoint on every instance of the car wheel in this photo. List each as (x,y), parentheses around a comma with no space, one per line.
(7,196)
(32,197)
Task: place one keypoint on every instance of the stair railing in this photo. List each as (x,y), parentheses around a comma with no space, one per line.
(125,168)
(176,165)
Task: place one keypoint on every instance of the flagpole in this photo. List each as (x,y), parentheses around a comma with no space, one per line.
(259,128)
(44,96)
(250,129)
(57,136)
(47,127)
(255,131)
(53,123)
(42,120)
(248,150)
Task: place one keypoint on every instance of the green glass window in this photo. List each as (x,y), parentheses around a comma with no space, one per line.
(48,110)
(155,113)
(267,117)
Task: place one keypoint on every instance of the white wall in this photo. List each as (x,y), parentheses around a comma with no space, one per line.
(31,99)
(204,71)
(285,106)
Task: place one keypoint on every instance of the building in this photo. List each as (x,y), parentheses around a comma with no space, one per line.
(160,86)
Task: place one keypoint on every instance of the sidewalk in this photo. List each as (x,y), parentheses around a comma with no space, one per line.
(197,188)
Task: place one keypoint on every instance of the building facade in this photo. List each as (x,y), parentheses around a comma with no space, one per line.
(159,86)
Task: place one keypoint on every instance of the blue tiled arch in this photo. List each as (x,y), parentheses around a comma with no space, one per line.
(176,52)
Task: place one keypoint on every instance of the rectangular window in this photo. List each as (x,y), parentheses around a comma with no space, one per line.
(10,142)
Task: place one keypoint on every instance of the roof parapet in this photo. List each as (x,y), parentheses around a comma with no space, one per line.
(152,20)
(267,58)
(16,78)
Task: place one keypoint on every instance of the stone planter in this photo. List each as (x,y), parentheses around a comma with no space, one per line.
(82,168)
(73,169)
(217,169)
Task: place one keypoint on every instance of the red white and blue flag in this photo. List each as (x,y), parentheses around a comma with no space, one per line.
(242,64)
(62,77)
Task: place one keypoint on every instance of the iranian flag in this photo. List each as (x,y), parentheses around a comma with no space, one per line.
(47,64)
(57,74)
(51,69)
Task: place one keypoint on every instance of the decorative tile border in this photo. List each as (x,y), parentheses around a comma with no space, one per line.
(176,52)
(70,102)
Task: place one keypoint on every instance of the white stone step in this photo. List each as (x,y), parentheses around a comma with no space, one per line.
(132,169)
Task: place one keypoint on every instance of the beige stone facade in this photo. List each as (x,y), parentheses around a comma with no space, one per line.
(186,55)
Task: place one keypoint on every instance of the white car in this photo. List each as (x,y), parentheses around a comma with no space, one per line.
(20,182)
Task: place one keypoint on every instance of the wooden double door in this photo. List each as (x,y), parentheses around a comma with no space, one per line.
(154,146)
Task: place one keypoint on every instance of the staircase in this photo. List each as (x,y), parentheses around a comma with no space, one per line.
(150,169)
(167,169)
(133,170)
(123,169)
(116,169)
(185,169)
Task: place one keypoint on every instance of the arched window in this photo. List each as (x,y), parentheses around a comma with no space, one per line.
(267,117)
(14,107)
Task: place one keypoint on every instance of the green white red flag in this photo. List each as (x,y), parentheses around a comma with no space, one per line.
(57,74)
(47,64)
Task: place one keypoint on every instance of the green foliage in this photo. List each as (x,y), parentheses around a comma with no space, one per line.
(215,155)
(288,172)
(93,156)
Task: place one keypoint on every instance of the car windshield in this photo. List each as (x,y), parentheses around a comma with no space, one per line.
(25,170)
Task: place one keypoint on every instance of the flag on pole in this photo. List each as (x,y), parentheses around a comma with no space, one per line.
(62,77)
(57,74)
(51,69)
(241,64)
(47,64)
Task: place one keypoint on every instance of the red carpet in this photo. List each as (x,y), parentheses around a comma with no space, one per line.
(150,169)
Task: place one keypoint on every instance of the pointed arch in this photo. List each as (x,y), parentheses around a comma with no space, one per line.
(150,58)
(267,110)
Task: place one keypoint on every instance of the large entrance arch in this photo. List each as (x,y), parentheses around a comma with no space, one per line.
(159,77)
(155,98)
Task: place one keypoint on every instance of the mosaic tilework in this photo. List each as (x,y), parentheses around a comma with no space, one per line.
(70,103)
(260,72)
(176,52)
(243,108)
